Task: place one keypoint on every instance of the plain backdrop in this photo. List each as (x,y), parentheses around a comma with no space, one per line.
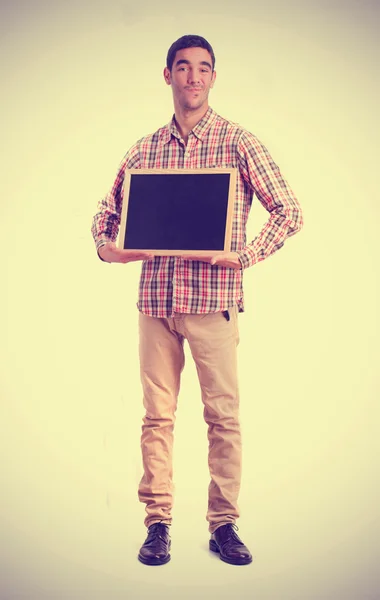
(80,83)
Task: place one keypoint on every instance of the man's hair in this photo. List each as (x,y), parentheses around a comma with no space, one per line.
(188,41)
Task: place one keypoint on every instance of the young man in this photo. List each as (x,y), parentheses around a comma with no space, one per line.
(196,298)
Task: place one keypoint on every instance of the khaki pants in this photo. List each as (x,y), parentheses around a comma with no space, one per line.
(213,343)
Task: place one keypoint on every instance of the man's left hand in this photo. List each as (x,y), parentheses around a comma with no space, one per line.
(227,259)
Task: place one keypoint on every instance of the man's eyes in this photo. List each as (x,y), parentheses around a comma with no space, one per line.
(185,68)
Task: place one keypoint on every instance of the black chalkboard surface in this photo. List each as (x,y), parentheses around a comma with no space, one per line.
(170,211)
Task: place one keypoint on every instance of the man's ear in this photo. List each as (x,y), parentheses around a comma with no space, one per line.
(213,79)
(167,76)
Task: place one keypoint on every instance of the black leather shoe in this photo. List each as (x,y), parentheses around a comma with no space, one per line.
(230,547)
(155,549)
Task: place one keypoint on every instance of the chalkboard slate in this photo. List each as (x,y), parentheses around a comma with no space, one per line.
(170,211)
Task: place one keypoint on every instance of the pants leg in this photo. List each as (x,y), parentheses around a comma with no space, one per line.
(161,362)
(213,343)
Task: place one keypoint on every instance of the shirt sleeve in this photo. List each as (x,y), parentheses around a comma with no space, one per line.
(263,176)
(106,222)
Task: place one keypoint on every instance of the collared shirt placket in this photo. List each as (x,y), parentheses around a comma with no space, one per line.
(178,274)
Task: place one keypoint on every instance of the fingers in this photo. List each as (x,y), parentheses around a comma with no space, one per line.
(111,253)
(203,258)
(126,256)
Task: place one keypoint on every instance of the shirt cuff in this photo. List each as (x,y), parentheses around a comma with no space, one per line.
(99,244)
(247,258)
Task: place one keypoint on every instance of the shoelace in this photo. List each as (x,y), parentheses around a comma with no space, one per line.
(155,531)
(233,536)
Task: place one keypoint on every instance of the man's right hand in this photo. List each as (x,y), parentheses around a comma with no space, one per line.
(111,253)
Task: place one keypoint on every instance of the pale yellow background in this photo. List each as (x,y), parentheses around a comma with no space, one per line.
(81,81)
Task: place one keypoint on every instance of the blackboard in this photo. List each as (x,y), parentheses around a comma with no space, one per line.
(171,211)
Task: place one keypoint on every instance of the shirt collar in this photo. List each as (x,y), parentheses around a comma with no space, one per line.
(199,130)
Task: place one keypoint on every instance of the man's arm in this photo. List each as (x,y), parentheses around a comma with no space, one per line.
(106,222)
(264,177)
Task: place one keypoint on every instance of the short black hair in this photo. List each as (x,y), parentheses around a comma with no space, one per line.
(188,41)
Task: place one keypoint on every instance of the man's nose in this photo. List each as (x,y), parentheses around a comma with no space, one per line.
(193,77)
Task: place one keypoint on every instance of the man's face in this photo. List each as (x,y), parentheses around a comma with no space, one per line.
(191,78)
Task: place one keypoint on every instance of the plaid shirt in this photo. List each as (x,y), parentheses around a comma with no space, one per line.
(170,284)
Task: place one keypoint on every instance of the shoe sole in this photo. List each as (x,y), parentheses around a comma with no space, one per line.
(237,561)
(154,561)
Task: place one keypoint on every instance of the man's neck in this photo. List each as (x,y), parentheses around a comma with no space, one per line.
(186,120)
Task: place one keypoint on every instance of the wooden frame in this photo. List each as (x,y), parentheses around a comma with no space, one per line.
(162,215)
